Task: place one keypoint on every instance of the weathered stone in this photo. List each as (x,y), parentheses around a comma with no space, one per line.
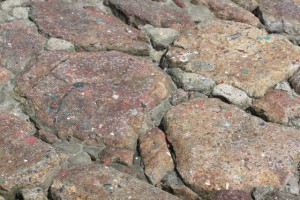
(20,13)
(199,13)
(283,85)
(280,107)
(33,193)
(282,196)
(295,82)
(155,154)
(232,195)
(219,146)
(236,54)
(9,4)
(260,193)
(228,10)
(81,158)
(116,155)
(137,12)
(102,182)
(233,95)
(26,160)
(249,5)
(161,38)
(59,44)
(47,137)
(93,150)
(4,17)
(100,98)
(135,171)
(159,112)
(2,198)
(178,97)
(179,3)
(281,16)
(191,81)
(94,30)
(18,44)
(5,76)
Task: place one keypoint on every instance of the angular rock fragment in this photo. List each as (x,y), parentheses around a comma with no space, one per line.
(228,10)
(295,82)
(281,16)
(219,147)
(100,98)
(279,107)
(26,161)
(33,193)
(59,44)
(102,182)
(19,43)
(199,13)
(236,54)
(137,12)
(178,97)
(88,28)
(155,154)
(249,5)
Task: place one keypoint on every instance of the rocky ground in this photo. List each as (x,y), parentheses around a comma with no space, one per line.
(150,99)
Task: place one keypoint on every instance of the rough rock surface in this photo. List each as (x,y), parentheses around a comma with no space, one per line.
(25,160)
(219,146)
(236,54)
(102,182)
(87,27)
(19,43)
(295,82)
(98,98)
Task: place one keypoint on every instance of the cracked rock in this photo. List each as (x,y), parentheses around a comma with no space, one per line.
(59,44)
(20,13)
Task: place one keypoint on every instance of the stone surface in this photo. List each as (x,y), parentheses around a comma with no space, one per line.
(47,137)
(191,81)
(26,160)
(233,95)
(281,16)
(18,45)
(219,147)
(155,154)
(280,107)
(117,155)
(178,97)
(101,98)
(295,82)
(199,13)
(9,4)
(228,10)
(103,183)
(20,13)
(95,30)
(249,5)
(5,76)
(236,54)
(232,195)
(59,44)
(34,193)
(137,12)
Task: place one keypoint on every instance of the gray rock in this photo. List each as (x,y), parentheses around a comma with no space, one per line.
(33,193)
(178,97)
(20,13)
(191,81)
(293,186)
(295,82)
(9,4)
(68,147)
(81,158)
(2,198)
(199,13)
(159,112)
(260,193)
(283,85)
(233,95)
(93,150)
(59,44)
(4,16)
(161,38)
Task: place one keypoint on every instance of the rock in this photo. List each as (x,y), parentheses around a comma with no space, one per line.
(191,81)
(233,95)
(2,198)
(280,107)
(281,16)
(161,38)
(47,137)
(236,54)
(103,183)
(260,193)
(33,193)
(178,97)
(18,45)
(81,158)
(93,150)
(135,171)
(95,30)
(20,13)
(4,17)
(155,154)
(295,82)
(228,10)
(219,147)
(137,12)
(285,86)
(199,13)
(159,112)
(179,3)
(99,98)
(117,155)
(5,76)
(249,5)
(9,4)
(232,195)
(34,162)
(281,196)
(59,44)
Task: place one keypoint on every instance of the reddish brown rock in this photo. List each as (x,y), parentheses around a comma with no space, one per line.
(280,107)
(87,27)
(156,155)
(228,10)
(219,147)
(116,155)
(295,82)
(249,5)
(236,54)
(232,195)
(99,98)
(137,12)
(101,182)
(5,76)
(47,137)
(281,16)
(19,43)
(25,160)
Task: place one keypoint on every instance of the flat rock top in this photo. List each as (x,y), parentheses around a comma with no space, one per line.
(87,27)
(237,54)
(219,146)
(102,182)
(25,160)
(95,97)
